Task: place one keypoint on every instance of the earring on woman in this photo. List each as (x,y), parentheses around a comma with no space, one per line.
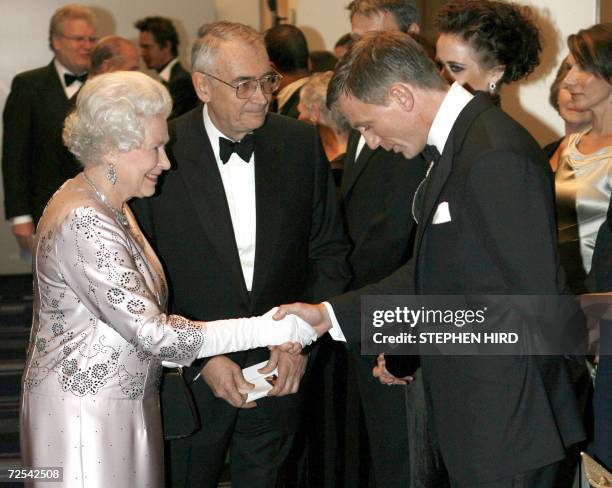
(492,87)
(111,174)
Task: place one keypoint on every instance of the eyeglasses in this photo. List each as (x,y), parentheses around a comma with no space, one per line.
(80,39)
(245,89)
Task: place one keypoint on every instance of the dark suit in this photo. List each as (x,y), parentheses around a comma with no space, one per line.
(494,417)
(377,190)
(35,161)
(290,108)
(300,255)
(181,90)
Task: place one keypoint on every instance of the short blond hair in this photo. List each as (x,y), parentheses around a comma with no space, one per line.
(71,11)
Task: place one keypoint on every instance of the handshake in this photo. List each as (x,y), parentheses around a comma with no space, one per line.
(294,326)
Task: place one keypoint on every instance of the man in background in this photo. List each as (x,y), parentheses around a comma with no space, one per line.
(377,189)
(248,220)
(383,15)
(35,161)
(113,53)
(159,43)
(288,52)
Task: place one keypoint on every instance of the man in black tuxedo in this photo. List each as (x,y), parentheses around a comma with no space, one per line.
(158,43)
(247,219)
(35,161)
(376,197)
(288,52)
(486,226)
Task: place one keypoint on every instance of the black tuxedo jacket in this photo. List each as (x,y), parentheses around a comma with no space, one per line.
(494,417)
(181,90)
(376,204)
(35,161)
(300,246)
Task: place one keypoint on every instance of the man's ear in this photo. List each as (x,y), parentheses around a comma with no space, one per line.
(201,84)
(402,95)
(53,42)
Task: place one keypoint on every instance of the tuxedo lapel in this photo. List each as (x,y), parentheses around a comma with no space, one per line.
(442,169)
(356,166)
(55,86)
(204,185)
(433,187)
(269,186)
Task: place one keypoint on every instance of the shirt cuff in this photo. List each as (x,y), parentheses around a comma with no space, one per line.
(21,219)
(335,332)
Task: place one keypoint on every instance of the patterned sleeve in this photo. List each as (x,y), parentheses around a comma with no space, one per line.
(99,262)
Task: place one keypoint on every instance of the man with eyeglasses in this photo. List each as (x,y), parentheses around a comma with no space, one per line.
(247,219)
(35,162)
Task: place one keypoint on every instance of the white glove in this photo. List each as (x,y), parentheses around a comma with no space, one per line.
(224,336)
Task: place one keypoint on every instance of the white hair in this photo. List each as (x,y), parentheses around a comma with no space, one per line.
(314,94)
(210,36)
(110,113)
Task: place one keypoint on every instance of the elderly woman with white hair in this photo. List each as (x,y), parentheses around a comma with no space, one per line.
(89,398)
(332,126)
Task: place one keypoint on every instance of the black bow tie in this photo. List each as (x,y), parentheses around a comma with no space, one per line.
(70,79)
(431,153)
(244,148)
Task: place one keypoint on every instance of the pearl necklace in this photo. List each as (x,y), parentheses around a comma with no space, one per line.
(119,215)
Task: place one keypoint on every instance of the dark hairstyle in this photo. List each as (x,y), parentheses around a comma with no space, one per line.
(344,41)
(287,48)
(501,33)
(321,61)
(162,30)
(378,60)
(592,49)
(404,12)
(553,97)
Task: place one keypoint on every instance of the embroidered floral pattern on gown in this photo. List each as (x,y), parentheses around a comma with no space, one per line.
(90,402)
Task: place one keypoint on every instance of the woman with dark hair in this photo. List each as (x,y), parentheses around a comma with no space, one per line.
(483,44)
(583,180)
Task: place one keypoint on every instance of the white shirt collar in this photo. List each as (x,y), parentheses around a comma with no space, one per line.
(165,73)
(61,70)
(284,95)
(213,132)
(454,102)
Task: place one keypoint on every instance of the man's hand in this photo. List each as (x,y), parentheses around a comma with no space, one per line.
(380,371)
(291,368)
(225,379)
(24,234)
(315,315)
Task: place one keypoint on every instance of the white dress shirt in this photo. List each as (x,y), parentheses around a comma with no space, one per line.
(71,90)
(454,102)
(164,74)
(239,185)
